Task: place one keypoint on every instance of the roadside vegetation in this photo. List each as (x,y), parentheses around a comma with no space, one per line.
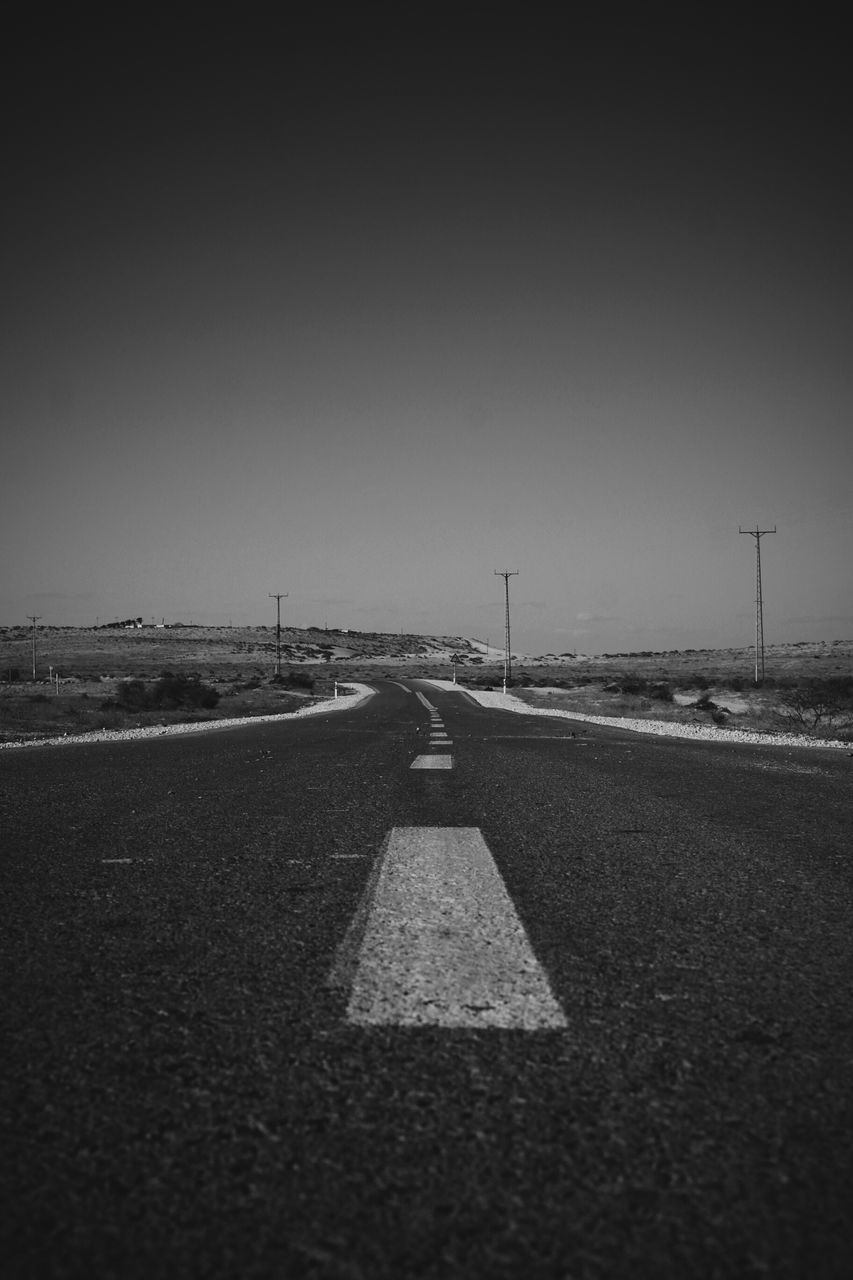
(818,708)
(31,711)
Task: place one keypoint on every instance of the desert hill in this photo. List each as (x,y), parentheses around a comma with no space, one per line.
(130,649)
(228,652)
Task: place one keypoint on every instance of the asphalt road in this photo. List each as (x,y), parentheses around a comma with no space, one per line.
(185,1097)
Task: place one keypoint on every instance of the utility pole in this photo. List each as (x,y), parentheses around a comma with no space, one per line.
(506,574)
(758,534)
(34,618)
(282,595)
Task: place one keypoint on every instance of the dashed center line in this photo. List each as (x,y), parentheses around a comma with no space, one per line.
(432,762)
(437,941)
(439,742)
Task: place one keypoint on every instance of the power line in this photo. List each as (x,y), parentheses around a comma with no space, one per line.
(758,534)
(506,574)
(281,595)
(34,618)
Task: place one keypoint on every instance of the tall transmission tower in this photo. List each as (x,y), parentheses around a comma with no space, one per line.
(506,574)
(34,618)
(281,595)
(758,534)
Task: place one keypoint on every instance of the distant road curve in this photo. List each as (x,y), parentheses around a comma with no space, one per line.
(344,702)
(664,728)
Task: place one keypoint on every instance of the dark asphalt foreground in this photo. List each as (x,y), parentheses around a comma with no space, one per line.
(183,1097)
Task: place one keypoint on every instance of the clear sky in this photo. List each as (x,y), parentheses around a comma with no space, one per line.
(364,309)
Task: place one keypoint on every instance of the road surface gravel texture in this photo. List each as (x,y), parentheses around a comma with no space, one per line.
(184,1095)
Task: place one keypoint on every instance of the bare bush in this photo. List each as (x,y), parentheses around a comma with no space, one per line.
(170,692)
(818,705)
(661,692)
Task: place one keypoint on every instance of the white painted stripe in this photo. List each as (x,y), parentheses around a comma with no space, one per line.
(441,943)
(440,741)
(432,762)
(424,701)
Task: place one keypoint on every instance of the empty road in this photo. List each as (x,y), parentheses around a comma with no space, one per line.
(422,989)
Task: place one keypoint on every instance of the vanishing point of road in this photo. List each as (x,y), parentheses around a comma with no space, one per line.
(422,989)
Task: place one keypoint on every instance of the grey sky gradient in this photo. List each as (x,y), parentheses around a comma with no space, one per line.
(366,308)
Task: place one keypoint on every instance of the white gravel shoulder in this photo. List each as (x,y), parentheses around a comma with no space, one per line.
(344,702)
(661,728)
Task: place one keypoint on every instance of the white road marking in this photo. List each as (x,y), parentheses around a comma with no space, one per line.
(432,762)
(424,701)
(437,941)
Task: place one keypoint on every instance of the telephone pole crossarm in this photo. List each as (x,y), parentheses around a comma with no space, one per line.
(758,534)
